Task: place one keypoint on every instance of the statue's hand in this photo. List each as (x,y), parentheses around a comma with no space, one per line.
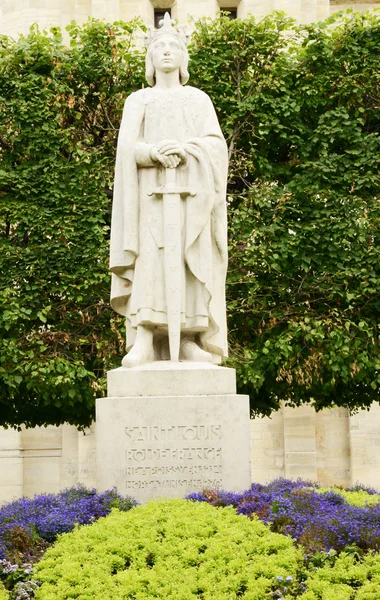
(169,161)
(173,148)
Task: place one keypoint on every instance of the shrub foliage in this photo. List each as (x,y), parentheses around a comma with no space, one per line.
(167,549)
(3,592)
(344,578)
(299,108)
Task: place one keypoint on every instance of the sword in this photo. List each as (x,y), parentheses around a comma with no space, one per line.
(171,195)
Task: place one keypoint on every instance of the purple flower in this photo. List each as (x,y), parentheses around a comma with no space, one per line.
(25,521)
(294,508)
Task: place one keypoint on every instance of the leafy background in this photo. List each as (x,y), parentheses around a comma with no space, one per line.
(299,106)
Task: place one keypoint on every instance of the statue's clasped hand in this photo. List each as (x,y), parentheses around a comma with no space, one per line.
(169,153)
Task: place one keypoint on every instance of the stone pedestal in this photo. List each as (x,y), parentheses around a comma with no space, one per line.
(168,429)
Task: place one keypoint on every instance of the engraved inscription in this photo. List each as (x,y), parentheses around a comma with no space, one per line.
(176,470)
(187,457)
(174,433)
(173,454)
(174,483)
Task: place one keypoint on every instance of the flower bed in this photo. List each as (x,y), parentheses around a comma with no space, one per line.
(317,519)
(28,525)
(188,551)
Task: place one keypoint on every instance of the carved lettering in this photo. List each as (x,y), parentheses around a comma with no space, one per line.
(174,470)
(186,457)
(173,454)
(174,483)
(174,433)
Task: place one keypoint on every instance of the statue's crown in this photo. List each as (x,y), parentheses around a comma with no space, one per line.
(166,27)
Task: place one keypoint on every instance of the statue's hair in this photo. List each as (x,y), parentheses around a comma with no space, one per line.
(150,73)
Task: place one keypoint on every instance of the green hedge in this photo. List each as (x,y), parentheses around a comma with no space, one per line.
(298,105)
(169,549)
(3,592)
(347,579)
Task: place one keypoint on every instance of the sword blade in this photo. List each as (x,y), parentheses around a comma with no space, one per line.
(171,195)
(172,267)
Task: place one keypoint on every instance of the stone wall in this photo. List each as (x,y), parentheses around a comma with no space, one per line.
(302,443)
(16,16)
(330,447)
(45,459)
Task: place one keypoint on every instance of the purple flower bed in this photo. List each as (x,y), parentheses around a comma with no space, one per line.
(31,523)
(317,521)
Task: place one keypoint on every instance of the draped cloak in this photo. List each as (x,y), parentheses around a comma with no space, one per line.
(150,116)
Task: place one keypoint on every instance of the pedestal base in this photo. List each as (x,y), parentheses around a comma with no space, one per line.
(162,444)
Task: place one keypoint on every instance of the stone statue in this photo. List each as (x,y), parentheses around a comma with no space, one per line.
(169,225)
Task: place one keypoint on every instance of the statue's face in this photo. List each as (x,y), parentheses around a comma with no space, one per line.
(167,54)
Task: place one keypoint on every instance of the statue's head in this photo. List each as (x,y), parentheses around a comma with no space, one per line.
(166,50)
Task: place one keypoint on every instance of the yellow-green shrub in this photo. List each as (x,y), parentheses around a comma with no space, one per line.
(167,549)
(348,579)
(3,592)
(355,498)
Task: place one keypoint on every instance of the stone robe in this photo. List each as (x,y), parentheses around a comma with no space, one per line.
(137,230)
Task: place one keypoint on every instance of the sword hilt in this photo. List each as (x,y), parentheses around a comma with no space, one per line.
(175,189)
(171,187)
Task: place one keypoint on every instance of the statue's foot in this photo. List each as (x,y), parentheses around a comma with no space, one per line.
(137,356)
(142,350)
(189,350)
